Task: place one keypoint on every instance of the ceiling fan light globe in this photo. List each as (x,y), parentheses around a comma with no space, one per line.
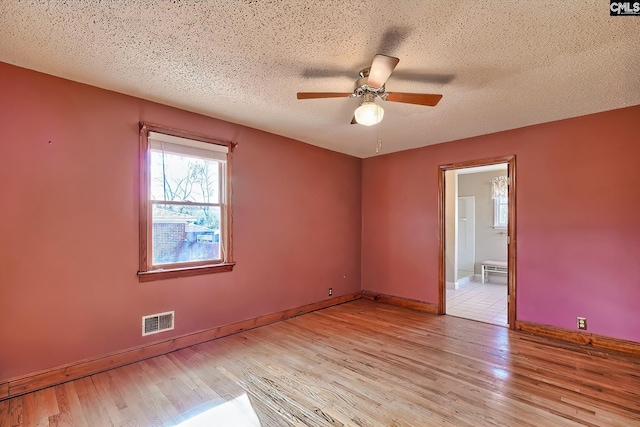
(369,113)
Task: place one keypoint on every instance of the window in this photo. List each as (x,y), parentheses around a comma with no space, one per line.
(185,215)
(500,212)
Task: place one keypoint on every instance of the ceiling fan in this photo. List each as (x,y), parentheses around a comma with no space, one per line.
(370,86)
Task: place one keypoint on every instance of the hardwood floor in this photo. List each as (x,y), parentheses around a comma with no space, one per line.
(362,363)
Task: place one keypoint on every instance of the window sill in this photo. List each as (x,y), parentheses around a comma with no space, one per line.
(149,276)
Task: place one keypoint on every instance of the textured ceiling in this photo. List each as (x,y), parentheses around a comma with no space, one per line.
(500,64)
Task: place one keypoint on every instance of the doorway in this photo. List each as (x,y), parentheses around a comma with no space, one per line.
(477,240)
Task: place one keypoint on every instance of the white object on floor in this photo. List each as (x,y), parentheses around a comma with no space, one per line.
(491,266)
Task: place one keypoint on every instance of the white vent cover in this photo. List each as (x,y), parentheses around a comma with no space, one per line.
(155,323)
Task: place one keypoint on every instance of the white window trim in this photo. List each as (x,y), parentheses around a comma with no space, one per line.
(496,215)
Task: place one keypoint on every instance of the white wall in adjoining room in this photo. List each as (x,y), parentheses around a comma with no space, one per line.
(491,243)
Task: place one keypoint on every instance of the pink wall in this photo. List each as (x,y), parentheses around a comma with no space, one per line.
(578,220)
(69,225)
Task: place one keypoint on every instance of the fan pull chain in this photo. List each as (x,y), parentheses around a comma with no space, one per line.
(379,139)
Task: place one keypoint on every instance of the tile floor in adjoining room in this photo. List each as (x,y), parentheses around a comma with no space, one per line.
(483,302)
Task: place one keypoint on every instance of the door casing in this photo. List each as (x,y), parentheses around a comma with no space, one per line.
(511,230)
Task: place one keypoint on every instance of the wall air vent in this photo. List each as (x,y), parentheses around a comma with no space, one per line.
(155,323)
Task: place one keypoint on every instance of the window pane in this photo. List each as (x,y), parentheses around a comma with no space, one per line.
(185,233)
(175,177)
(503,214)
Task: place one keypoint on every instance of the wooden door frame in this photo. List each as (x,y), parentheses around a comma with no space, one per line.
(511,230)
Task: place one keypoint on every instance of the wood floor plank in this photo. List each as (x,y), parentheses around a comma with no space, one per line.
(150,396)
(358,364)
(23,411)
(180,388)
(70,410)
(93,409)
(5,414)
(45,407)
(148,381)
(197,363)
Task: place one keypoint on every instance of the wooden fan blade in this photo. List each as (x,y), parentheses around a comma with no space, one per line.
(414,98)
(381,69)
(314,95)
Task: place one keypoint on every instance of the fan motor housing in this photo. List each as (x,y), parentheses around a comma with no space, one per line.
(361,87)
(361,82)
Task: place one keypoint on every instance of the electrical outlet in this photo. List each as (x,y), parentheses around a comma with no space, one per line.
(582,323)
(330,291)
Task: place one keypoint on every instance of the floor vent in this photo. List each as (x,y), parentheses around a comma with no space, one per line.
(155,323)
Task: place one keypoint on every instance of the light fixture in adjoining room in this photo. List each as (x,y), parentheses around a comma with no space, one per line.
(369,113)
